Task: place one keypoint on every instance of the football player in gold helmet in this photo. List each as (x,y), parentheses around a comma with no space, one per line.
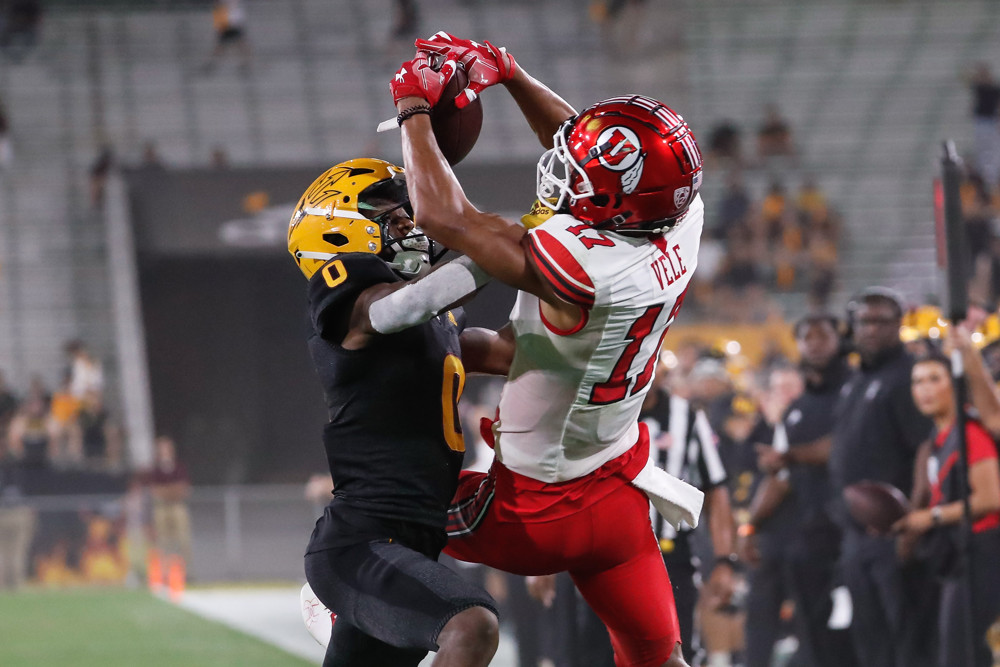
(359,206)
(372,558)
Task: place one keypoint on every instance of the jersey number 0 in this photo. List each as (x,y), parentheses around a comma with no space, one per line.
(452,385)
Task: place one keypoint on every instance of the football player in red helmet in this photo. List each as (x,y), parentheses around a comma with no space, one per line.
(599,283)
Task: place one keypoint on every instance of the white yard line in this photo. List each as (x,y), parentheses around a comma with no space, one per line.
(272,615)
(269,614)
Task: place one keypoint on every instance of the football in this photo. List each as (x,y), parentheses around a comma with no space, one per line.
(456,130)
(876,505)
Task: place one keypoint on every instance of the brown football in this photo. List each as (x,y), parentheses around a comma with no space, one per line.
(876,505)
(456,130)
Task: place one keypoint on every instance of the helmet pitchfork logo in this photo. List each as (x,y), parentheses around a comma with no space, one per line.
(619,149)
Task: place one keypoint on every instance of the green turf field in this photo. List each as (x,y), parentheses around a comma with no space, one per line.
(119,628)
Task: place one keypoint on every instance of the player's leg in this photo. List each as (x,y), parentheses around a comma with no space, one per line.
(764,599)
(629,587)
(350,647)
(468,639)
(403,599)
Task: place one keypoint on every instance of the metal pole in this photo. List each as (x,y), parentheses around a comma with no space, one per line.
(957,306)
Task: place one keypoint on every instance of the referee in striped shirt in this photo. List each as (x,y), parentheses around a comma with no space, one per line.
(684,444)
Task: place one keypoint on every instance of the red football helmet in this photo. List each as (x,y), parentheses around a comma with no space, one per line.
(629,164)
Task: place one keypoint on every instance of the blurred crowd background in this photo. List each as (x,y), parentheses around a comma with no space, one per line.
(158,411)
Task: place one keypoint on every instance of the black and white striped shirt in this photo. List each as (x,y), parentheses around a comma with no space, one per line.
(683,443)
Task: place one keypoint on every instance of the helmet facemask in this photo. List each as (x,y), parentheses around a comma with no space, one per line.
(555,172)
(411,255)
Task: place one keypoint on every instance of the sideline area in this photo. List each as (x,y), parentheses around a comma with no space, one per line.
(272,615)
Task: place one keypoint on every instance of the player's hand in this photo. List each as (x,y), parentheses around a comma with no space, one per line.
(746,549)
(416,78)
(769,460)
(959,337)
(720,586)
(916,522)
(542,588)
(485,64)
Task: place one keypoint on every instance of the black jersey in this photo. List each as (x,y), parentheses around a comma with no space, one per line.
(393,442)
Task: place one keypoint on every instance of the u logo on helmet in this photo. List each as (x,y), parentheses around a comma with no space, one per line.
(624,148)
(621,150)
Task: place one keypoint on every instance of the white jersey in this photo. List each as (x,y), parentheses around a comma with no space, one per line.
(572,398)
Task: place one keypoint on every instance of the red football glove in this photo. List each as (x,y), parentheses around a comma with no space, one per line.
(485,64)
(417,78)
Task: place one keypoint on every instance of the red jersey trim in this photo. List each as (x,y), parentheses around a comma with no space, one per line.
(519,498)
(584,316)
(560,269)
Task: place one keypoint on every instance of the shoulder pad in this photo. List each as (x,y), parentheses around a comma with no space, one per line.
(334,288)
(553,248)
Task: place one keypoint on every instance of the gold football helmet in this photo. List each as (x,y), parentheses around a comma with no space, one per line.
(349,209)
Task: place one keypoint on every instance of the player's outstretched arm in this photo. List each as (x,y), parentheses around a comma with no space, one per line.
(386,308)
(544,110)
(487,351)
(440,206)
(443,212)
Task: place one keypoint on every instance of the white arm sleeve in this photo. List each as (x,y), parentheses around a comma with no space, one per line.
(423,299)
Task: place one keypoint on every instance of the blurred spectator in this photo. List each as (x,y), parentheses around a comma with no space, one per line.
(6,145)
(86,374)
(32,434)
(985,104)
(19,32)
(65,406)
(64,410)
(17,523)
(725,142)
(734,206)
(37,389)
(877,432)
(937,523)
(978,213)
(740,287)
(821,254)
(774,138)
(790,538)
(100,169)
(229,20)
(772,210)
(170,487)
(220,158)
(406,23)
(99,437)
(151,156)
(8,408)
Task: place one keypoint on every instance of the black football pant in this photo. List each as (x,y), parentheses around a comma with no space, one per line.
(895,606)
(984,556)
(805,577)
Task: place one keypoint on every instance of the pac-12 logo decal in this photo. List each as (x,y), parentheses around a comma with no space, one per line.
(625,154)
(681,196)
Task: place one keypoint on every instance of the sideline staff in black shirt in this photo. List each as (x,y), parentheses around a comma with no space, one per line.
(876,435)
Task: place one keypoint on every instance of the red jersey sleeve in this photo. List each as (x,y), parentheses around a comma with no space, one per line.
(560,269)
(981,445)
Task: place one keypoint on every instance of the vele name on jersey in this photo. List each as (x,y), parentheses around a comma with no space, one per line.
(664,267)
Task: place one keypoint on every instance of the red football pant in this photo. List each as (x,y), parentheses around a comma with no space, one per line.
(614,560)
